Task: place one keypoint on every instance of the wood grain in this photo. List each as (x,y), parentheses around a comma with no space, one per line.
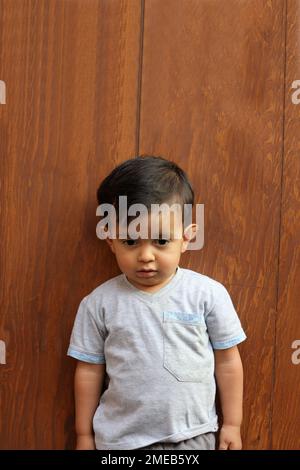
(71,71)
(212,100)
(90,83)
(286,406)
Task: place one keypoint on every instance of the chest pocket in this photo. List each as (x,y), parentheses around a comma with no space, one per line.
(186,352)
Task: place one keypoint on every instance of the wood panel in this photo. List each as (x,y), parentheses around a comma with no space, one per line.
(212,99)
(286,407)
(71,71)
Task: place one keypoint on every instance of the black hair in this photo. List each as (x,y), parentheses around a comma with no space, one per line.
(146,179)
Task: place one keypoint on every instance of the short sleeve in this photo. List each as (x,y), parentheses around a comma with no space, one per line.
(88,336)
(223,324)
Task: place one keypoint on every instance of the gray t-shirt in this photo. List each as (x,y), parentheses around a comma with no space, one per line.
(158,350)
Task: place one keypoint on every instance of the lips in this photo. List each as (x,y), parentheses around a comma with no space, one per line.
(146,271)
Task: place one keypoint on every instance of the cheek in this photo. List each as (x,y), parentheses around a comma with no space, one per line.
(176,250)
(170,257)
(125,258)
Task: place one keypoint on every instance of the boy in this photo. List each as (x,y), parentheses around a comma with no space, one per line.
(158,331)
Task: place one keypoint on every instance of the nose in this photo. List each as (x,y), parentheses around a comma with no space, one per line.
(145,254)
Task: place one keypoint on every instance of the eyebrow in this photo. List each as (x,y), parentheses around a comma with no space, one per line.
(161,235)
(165,235)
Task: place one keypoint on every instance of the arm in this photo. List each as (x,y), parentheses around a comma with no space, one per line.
(88,384)
(229,376)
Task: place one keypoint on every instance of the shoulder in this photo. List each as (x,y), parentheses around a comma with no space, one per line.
(204,289)
(206,282)
(102,292)
(107,286)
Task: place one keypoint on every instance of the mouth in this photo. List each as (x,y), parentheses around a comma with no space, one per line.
(146,272)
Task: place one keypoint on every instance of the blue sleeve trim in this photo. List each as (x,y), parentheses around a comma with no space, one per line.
(100,359)
(229,343)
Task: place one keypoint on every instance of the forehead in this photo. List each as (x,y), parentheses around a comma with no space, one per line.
(166,224)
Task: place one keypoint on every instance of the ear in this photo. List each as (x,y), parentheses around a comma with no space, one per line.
(188,235)
(110,244)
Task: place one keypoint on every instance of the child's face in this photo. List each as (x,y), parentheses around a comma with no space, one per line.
(160,255)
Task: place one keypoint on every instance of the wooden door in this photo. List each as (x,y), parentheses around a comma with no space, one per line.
(70,69)
(90,83)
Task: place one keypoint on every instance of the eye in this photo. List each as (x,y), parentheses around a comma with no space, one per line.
(162,241)
(129,242)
